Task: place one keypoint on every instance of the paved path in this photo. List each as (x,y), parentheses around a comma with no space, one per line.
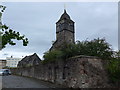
(13,81)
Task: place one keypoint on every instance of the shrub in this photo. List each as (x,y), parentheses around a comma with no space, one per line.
(51,56)
(97,47)
(69,50)
(114,70)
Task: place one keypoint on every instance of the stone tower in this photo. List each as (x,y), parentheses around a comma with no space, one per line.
(64,31)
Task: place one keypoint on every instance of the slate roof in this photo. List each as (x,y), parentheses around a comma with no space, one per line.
(64,15)
(29,60)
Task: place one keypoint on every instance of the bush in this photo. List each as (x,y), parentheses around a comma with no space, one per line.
(114,70)
(70,50)
(97,47)
(51,56)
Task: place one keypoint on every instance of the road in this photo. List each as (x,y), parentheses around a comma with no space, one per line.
(13,81)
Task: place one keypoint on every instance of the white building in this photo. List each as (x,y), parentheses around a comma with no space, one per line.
(12,62)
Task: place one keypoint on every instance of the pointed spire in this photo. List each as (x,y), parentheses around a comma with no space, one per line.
(64,10)
(65,15)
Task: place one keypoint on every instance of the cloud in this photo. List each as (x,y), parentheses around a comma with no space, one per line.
(37,22)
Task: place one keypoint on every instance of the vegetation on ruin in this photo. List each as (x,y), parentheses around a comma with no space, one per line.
(97,47)
(7,35)
(113,68)
(51,56)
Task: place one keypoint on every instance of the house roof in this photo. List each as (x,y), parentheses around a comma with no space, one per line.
(32,59)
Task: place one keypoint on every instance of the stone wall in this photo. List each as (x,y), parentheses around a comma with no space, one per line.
(76,72)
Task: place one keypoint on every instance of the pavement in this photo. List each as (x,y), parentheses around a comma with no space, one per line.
(13,81)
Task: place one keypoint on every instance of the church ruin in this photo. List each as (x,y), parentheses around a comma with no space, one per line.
(75,72)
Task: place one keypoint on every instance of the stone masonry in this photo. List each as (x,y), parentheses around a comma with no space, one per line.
(75,72)
(64,31)
(29,61)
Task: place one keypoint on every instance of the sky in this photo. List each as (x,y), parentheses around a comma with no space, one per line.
(37,21)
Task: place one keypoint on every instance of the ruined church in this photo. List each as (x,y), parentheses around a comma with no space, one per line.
(76,72)
(64,34)
(64,31)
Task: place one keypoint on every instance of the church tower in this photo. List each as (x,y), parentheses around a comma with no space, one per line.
(64,31)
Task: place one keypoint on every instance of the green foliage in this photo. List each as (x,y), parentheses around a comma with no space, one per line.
(70,50)
(7,35)
(114,69)
(97,47)
(51,56)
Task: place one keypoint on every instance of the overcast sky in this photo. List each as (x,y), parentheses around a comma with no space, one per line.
(37,22)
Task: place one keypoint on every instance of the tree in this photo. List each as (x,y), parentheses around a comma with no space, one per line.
(52,56)
(97,47)
(113,68)
(7,35)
